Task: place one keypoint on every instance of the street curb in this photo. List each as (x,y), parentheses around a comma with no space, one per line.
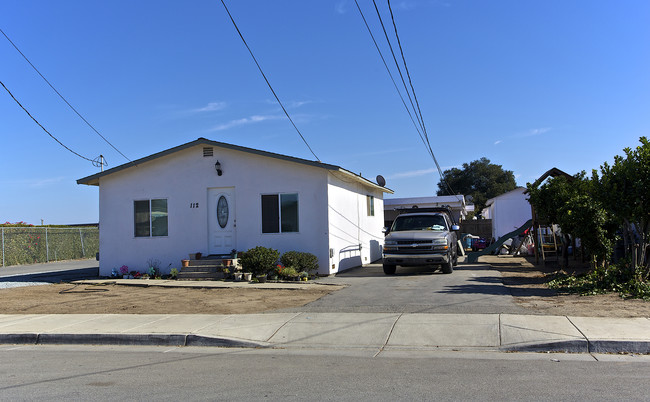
(111,339)
(572,346)
(127,340)
(640,347)
(200,340)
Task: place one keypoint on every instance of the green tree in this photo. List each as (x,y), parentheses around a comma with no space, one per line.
(480,179)
(572,204)
(625,191)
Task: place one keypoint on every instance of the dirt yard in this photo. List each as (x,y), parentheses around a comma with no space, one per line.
(527,282)
(116,299)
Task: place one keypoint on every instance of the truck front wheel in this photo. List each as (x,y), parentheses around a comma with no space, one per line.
(389,269)
(448,267)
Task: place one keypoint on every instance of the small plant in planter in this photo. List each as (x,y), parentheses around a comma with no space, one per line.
(173,273)
(289,273)
(124,270)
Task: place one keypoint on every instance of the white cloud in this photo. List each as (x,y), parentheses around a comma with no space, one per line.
(341,7)
(244,121)
(533,132)
(497,142)
(211,107)
(413,173)
(39,182)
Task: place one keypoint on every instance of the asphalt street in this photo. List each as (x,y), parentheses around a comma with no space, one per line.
(147,373)
(53,272)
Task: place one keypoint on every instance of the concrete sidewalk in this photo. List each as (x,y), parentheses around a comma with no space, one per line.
(368,331)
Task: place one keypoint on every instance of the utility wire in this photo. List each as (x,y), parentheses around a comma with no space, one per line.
(391,75)
(399,43)
(416,107)
(399,70)
(39,124)
(267,81)
(426,135)
(61,96)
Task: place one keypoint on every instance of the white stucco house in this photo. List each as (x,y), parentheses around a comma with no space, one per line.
(212,197)
(508,211)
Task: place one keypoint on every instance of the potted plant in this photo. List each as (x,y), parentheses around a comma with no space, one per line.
(233,253)
(238,276)
(173,273)
(247,276)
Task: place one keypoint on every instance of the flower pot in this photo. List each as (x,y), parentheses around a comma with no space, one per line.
(247,276)
(227,262)
(238,276)
(261,278)
(185,263)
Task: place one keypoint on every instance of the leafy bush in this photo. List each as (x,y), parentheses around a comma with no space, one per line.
(259,260)
(289,272)
(616,278)
(300,261)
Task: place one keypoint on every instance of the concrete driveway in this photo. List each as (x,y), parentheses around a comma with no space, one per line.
(470,289)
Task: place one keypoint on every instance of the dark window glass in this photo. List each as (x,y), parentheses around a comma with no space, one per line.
(289,212)
(270,214)
(141,209)
(159,217)
(222,212)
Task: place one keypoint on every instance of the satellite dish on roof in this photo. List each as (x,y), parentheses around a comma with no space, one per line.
(380,180)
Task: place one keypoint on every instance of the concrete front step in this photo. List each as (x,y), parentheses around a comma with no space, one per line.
(191,276)
(210,262)
(205,268)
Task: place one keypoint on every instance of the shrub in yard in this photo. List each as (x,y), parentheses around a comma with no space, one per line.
(259,260)
(289,272)
(300,261)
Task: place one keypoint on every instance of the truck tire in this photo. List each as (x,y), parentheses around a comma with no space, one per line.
(454,260)
(389,269)
(448,267)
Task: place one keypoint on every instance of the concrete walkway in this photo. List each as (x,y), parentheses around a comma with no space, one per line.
(369,331)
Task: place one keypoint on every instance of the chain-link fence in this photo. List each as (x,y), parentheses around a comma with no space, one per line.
(30,245)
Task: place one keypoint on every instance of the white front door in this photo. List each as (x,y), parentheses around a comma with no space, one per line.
(221,220)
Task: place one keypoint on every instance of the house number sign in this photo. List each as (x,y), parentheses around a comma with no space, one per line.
(194,204)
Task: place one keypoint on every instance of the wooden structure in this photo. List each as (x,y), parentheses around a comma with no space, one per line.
(543,232)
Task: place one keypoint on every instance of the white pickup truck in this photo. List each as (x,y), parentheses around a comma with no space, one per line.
(422,237)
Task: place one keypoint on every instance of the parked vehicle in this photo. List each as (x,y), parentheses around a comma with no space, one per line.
(422,237)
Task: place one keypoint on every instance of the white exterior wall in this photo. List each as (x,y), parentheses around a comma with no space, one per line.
(183,178)
(508,212)
(350,225)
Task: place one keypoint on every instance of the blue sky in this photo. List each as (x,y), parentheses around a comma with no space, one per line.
(529,85)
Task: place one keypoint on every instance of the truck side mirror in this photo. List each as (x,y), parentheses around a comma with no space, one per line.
(455,228)
(385,230)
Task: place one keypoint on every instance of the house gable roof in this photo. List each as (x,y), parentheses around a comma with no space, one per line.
(93,180)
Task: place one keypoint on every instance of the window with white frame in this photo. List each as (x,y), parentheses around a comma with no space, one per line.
(279,213)
(370,203)
(150,218)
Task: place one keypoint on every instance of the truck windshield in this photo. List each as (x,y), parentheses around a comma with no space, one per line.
(419,222)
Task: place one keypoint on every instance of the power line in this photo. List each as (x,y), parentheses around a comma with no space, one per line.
(416,107)
(61,96)
(41,126)
(267,81)
(390,74)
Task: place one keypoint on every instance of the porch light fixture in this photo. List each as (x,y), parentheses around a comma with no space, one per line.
(217,167)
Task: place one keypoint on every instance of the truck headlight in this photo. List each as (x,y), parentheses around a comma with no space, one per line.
(440,244)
